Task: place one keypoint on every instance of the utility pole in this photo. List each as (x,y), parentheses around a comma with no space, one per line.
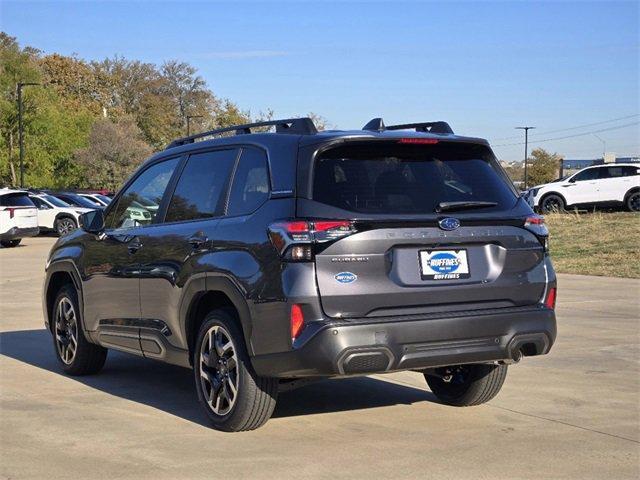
(21,129)
(189,117)
(604,145)
(526,151)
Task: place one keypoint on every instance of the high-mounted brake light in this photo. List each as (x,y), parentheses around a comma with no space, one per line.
(297,321)
(423,141)
(550,301)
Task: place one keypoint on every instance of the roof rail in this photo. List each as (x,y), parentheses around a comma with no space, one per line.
(295,126)
(429,127)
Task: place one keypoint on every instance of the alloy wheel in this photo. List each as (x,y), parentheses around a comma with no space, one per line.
(66,330)
(634,202)
(552,204)
(219,370)
(65,225)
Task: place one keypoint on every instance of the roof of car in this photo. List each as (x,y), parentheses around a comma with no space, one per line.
(6,191)
(302,131)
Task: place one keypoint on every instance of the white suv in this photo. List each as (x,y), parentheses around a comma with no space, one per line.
(615,184)
(18,217)
(55,214)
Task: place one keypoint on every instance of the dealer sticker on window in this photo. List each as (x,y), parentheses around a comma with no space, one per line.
(444,264)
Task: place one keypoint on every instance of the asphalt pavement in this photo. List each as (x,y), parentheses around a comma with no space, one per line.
(572,414)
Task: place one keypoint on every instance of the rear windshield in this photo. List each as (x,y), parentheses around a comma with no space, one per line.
(409,179)
(16,200)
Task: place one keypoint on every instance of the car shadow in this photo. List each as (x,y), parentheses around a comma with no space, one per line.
(170,388)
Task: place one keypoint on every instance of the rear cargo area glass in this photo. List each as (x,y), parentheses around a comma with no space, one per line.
(393,178)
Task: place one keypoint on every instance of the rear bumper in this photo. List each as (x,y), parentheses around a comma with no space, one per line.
(15,233)
(414,342)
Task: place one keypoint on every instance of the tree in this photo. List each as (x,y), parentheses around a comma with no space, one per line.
(515,172)
(16,65)
(543,166)
(320,122)
(115,149)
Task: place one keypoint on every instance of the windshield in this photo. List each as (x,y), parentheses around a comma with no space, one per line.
(56,202)
(104,198)
(390,178)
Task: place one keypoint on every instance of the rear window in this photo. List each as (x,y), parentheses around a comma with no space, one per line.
(389,178)
(16,200)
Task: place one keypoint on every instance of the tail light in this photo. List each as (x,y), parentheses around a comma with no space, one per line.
(297,321)
(11,210)
(535,224)
(294,239)
(550,301)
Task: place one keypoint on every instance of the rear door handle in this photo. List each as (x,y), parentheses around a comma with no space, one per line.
(134,245)
(198,240)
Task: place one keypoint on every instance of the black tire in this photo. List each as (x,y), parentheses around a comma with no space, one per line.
(64,225)
(467,385)
(10,243)
(254,398)
(86,358)
(552,203)
(632,201)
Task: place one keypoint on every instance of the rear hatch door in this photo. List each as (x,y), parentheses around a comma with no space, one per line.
(436,228)
(22,211)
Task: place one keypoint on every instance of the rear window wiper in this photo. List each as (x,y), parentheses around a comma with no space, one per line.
(450,206)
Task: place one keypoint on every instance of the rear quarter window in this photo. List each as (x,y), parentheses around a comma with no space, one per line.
(388,178)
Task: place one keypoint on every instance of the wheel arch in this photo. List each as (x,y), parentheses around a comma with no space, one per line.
(211,293)
(59,274)
(65,215)
(630,191)
(552,192)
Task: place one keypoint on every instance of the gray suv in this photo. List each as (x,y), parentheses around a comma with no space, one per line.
(271,258)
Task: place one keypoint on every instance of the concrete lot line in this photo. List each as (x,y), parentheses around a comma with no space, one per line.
(572,414)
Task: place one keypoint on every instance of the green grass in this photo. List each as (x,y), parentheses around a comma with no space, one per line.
(599,243)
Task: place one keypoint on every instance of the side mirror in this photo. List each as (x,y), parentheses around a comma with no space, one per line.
(93,221)
(572,180)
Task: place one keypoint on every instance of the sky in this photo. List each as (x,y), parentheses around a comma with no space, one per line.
(571,69)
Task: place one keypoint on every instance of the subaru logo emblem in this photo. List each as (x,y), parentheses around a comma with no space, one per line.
(449,223)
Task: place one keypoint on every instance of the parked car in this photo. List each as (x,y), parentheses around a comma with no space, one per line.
(276,258)
(18,217)
(611,185)
(77,200)
(55,214)
(98,198)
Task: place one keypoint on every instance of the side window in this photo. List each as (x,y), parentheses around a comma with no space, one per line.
(590,174)
(250,187)
(200,190)
(611,172)
(139,203)
(630,171)
(39,203)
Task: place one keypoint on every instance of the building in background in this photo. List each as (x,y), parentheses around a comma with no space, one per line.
(569,166)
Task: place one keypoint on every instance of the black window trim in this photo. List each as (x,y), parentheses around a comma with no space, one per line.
(170,191)
(116,198)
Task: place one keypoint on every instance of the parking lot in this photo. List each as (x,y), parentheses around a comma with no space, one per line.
(574,413)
